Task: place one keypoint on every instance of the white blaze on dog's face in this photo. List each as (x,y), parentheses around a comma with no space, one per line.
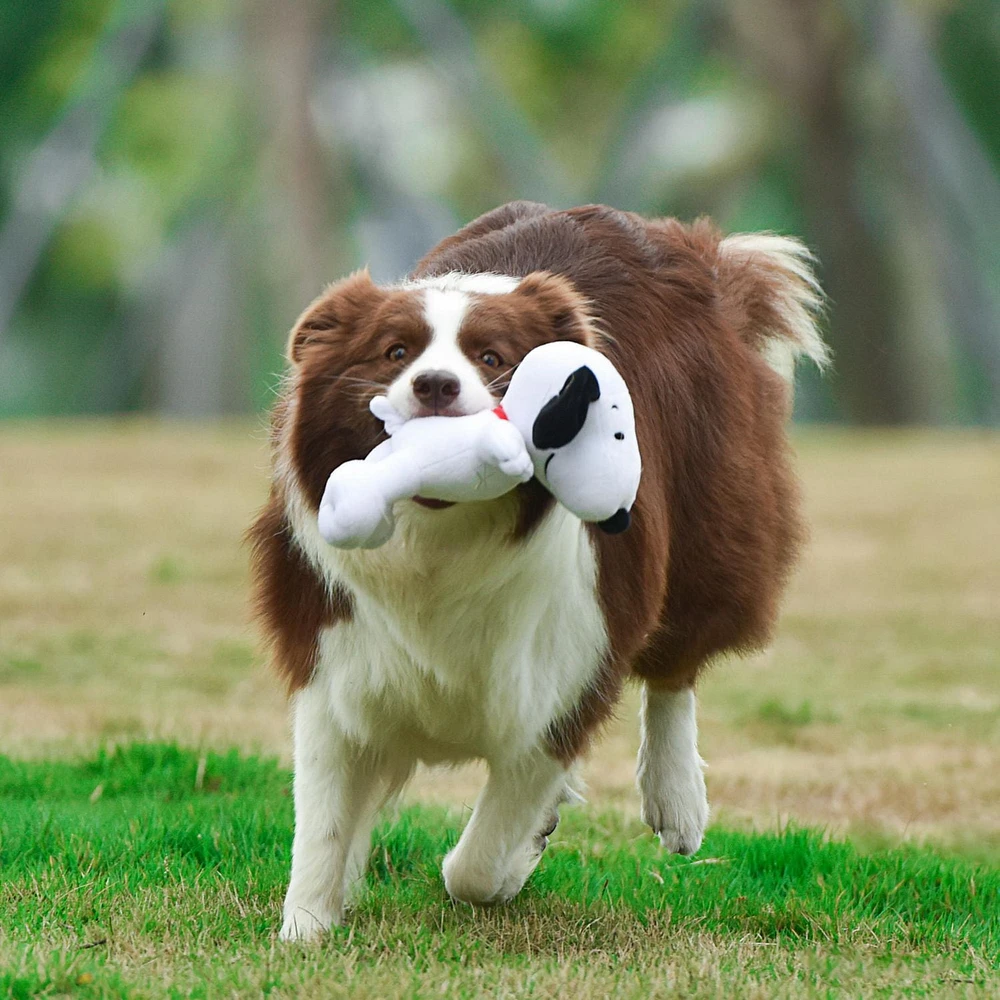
(441,380)
(481,326)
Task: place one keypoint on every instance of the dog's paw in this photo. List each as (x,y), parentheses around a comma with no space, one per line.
(305,924)
(355,886)
(676,807)
(483,882)
(469,879)
(523,862)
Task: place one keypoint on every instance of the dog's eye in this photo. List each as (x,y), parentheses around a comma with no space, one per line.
(396,353)
(491,359)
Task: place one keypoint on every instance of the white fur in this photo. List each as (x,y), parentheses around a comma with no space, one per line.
(477,284)
(670,778)
(471,645)
(800,298)
(501,846)
(461,646)
(339,789)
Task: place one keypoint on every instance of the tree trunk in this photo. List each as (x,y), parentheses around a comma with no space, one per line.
(805,51)
(283,39)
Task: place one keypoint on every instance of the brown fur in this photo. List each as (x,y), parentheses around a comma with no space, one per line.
(289,600)
(715,525)
(339,354)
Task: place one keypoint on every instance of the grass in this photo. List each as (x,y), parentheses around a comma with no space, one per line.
(875,718)
(149,870)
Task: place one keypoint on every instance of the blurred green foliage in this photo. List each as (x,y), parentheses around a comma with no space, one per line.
(257,150)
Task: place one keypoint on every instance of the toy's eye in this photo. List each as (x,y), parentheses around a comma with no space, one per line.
(396,353)
(619,436)
(491,359)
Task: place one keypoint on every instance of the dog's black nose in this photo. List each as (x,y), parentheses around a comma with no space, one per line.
(617,523)
(436,390)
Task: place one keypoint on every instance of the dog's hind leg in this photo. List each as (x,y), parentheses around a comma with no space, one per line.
(670,779)
(505,837)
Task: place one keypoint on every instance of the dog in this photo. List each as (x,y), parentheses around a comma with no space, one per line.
(505,630)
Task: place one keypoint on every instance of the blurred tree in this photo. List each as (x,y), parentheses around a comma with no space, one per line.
(808,52)
(284,44)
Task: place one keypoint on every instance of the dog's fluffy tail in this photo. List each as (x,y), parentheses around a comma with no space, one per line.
(769,289)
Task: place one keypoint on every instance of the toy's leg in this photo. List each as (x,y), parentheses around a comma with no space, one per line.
(335,799)
(670,779)
(356,511)
(502,445)
(505,837)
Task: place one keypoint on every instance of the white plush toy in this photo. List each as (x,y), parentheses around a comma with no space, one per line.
(477,457)
(566,418)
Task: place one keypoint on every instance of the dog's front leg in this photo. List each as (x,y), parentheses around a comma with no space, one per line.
(504,839)
(670,778)
(335,782)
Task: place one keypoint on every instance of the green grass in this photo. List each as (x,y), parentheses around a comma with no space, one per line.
(151,870)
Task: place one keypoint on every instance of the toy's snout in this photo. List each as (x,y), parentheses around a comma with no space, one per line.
(563,416)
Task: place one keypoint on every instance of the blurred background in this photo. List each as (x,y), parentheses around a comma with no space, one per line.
(179,177)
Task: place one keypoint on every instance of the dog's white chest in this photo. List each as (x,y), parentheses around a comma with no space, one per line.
(461,644)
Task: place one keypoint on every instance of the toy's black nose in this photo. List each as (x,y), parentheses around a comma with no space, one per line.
(436,390)
(617,523)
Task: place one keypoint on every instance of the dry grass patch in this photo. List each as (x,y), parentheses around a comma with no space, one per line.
(122,602)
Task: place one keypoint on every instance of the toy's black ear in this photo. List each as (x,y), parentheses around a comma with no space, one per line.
(563,416)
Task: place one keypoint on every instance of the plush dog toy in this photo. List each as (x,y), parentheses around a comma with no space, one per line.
(566,418)
(575,413)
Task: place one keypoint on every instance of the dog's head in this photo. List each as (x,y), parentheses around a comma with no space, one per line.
(444,346)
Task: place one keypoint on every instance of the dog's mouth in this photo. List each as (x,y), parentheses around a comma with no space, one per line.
(432,504)
(421,411)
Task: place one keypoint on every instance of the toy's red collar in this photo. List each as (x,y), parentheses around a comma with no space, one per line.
(500,412)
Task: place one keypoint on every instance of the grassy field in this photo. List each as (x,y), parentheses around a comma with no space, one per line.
(158,871)
(875,717)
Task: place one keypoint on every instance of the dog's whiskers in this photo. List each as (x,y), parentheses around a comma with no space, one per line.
(502,375)
(357,381)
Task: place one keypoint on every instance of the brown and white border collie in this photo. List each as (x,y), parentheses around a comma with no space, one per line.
(505,630)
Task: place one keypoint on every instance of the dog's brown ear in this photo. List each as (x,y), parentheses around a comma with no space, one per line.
(332,314)
(564,308)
